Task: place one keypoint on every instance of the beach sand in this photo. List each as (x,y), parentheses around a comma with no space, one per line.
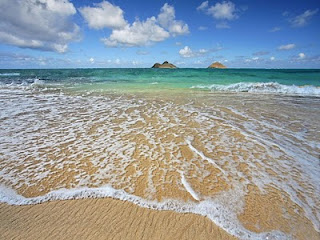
(108,218)
(156,149)
(102,219)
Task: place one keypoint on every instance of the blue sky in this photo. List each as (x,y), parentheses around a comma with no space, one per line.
(126,33)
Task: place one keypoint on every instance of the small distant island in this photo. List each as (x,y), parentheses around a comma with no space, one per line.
(165,64)
(217,65)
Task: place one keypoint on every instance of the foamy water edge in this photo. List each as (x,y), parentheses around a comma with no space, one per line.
(208,208)
(259,87)
(214,209)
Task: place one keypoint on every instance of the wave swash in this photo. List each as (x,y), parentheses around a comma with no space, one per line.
(249,162)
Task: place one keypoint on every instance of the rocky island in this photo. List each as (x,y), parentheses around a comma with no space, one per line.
(165,64)
(217,65)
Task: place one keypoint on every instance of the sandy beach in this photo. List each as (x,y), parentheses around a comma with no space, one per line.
(158,167)
(102,219)
(109,218)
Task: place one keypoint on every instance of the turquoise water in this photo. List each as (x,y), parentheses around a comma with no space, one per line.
(287,81)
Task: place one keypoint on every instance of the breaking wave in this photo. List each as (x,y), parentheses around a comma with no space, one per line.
(9,74)
(270,87)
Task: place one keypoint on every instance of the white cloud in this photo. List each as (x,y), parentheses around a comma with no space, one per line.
(178,28)
(91,60)
(166,19)
(187,52)
(223,11)
(137,34)
(272,58)
(302,19)
(103,15)
(203,6)
(135,63)
(302,56)
(153,29)
(253,59)
(38,24)
(287,47)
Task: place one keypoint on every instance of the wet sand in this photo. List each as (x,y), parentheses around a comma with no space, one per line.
(108,218)
(102,219)
(189,150)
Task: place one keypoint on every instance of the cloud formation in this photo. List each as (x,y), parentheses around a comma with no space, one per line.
(103,15)
(38,24)
(287,47)
(186,52)
(223,11)
(167,20)
(139,33)
(303,19)
(203,6)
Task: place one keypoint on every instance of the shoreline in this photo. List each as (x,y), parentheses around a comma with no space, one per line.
(104,218)
(239,159)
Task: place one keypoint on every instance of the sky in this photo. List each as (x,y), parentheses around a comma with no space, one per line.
(187,33)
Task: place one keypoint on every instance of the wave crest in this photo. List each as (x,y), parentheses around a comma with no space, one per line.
(270,87)
(9,74)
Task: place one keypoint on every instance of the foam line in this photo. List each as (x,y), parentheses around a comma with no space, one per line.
(188,187)
(9,74)
(261,87)
(209,208)
(204,156)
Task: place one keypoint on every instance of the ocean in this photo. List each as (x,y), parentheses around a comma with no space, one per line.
(239,146)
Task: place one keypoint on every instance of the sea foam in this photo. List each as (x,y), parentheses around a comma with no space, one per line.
(269,87)
(209,208)
(115,133)
(9,74)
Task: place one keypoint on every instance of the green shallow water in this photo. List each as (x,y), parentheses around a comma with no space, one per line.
(304,82)
(173,78)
